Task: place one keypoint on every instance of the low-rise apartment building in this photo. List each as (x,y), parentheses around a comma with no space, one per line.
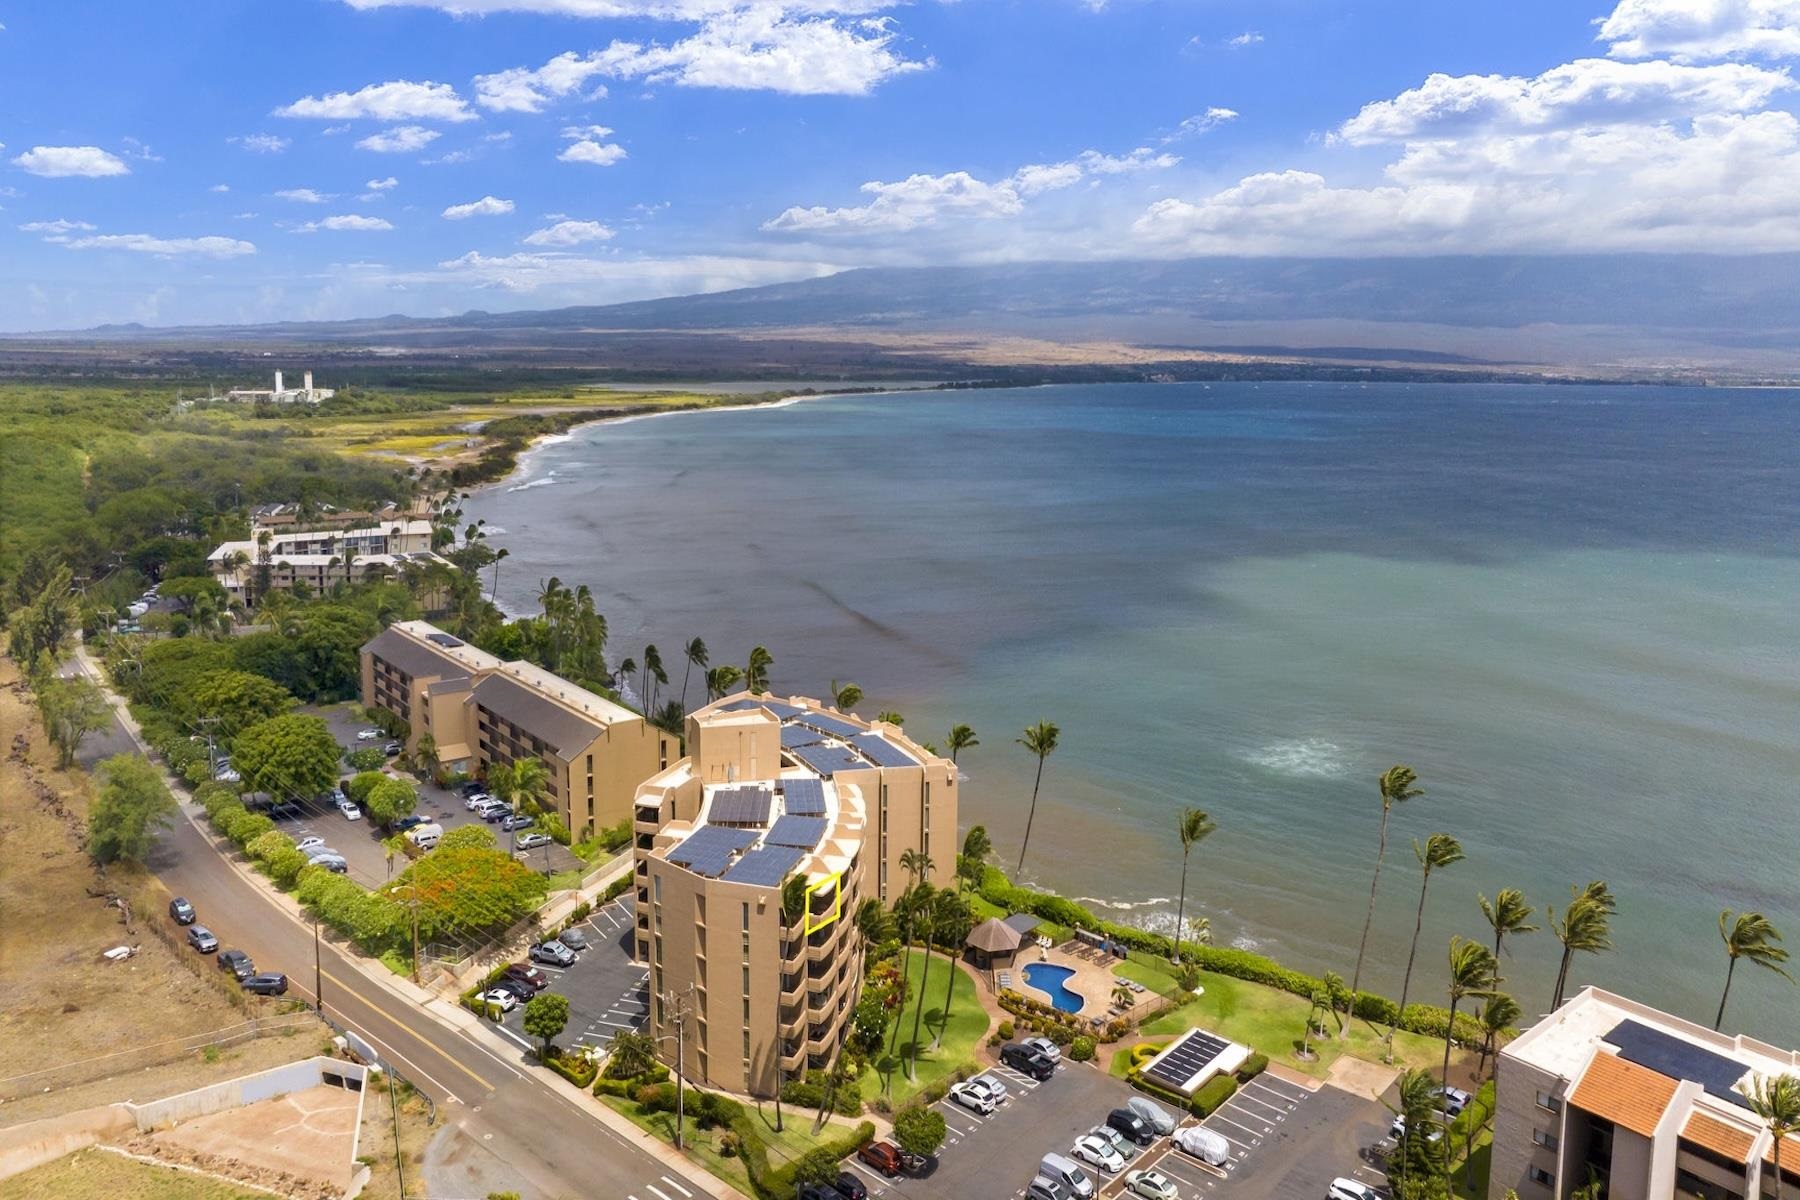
(1652,1106)
(772,789)
(481,711)
(320,558)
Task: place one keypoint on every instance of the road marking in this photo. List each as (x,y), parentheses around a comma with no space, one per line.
(426,1041)
(676,1186)
(1255,1135)
(515,1037)
(656,1191)
(1295,1098)
(1281,1110)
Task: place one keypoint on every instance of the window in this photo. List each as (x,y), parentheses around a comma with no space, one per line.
(746,924)
(1548,1102)
(746,991)
(659,956)
(1542,1177)
(746,1045)
(656,886)
(1544,1138)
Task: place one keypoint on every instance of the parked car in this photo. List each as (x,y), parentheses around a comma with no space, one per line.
(1043,1046)
(1098,1152)
(1453,1100)
(237,962)
(307,844)
(473,787)
(993,1086)
(1203,1144)
(973,1098)
(226,773)
(182,911)
(370,734)
(491,811)
(1125,1146)
(1027,1060)
(1045,1188)
(554,953)
(285,810)
(201,938)
(1067,1175)
(1397,1130)
(272,984)
(1130,1125)
(528,975)
(516,988)
(850,1187)
(425,836)
(1154,1114)
(348,808)
(475,799)
(506,998)
(1151,1185)
(409,822)
(517,821)
(392,749)
(532,841)
(1346,1188)
(574,939)
(818,1191)
(883,1156)
(331,862)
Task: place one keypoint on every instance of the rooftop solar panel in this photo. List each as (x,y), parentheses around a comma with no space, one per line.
(825,724)
(1669,1055)
(765,867)
(803,832)
(799,735)
(827,760)
(783,711)
(741,806)
(708,850)
(803,797)
(1187,1059)
(881,752)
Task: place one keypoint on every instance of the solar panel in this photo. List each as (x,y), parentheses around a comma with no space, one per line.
(741,806)
(827,760)
(881,752)
(799,735)
(443,639)
(803,832)
(1187,1058)
(831,725)
(783,711)
(803,797)
(1678,1059)
(766,867)
(709,848)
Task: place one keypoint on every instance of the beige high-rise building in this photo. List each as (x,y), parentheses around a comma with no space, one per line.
(773,789)
(1649,1104)
(481,711)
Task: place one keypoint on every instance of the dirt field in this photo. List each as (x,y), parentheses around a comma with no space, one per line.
(94,1173)
(307,1133)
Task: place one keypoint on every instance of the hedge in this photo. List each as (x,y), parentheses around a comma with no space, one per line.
(1143,1083)
(779,1183)
(616,888)
(1216,1091)
(810,1093)
(578,1069)
(1253,1066)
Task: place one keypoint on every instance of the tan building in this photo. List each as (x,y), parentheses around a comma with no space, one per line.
(1652,1105)
(322,557)
(772,789)
(481,711)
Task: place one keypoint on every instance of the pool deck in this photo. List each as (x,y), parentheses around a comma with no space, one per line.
(1091,981)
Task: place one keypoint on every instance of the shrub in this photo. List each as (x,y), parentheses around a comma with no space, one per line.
(1005,1031)
(616,888)
(1138,1080)
(1253,1066)
(1217,1091)
(578,1069)
(1143,1052)
(1082,1049)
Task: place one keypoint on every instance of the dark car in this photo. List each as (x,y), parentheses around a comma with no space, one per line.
(1027,1060)
(530,976)
(519,989)
(471,787)
(238,963)
(883,1156)
(574,939)
(850,1187)
(412,822)
(285,810)
(272,984)
(182,911)
(1131,1125)
(818,1191)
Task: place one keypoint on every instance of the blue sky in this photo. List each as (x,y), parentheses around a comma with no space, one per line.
(218,161)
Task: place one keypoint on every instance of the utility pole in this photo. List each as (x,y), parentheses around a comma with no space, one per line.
(399,1155)
(318,972)
(680,1008)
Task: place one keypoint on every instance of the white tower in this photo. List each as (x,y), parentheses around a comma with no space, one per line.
(307,377)
(278,385)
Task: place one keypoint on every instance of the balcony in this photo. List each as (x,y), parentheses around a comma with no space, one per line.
(790,988)
(793,1056)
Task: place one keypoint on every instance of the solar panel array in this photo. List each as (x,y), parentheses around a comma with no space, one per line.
(799,735)
(803,832)
(1187,1059)
(827,760)
(825,724)
(709,848)
(765,867)
(1669,1055)
(444,640)
(742,806)
(803,797)
(881,752)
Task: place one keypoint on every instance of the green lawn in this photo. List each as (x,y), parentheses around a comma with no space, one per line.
(967,1029)
(90,1173)
(1471,1178)
(702,1146)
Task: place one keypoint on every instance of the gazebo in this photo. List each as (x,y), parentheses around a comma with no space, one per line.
(994,942)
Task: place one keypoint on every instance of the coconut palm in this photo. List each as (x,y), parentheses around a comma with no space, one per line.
(1335,995)
(918,864)
(1434,853)
(1586,925)
(756,671)
(960,737)
(845,696)
(1420,1157)
(695,653)
(1776,1099)
(494,588)
(890,717)
(1749,936)
(1471,974)
(1041,740)
(1397,787)
(1507,913)
(1195,827)
(793,907)
(874,924)
(654,677)
(953,919)
(1122,995)
(977,848)
(1496,1017)
(721,679)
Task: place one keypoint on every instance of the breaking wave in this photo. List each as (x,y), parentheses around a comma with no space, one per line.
(1306,758)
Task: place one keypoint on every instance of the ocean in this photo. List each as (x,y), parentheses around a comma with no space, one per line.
(1571,609)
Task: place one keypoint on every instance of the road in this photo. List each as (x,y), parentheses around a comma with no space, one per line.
(512,1125)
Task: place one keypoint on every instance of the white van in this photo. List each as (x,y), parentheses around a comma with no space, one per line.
(425,836)
(1064,1173)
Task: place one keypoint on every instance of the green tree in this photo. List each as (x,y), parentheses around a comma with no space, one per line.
(919,1130)
(1776,1099)
(132,808)
(793,908)
(890,717)
(468,889)
(427,754)
(1436,852)
(477,836)
(721,679)
(631,1052)
(1585,926)
(43,624)
(696,654)
(362,783)
(756,672)
(365,758)
(1416,1170)
(845,696)
(389,800)
(817,1166)
(265,846)
(546,1016)
(1752,937)
(977,848)
(1471,974)
(1507,913)
(71,709)
(960,737)
(1195,827)
(1496,1016)
(952,919)
(1041,739)
(918,864)
(287,755)
(236,700)
(1397,786)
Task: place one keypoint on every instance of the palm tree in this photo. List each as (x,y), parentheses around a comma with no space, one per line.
(1776,1099)
(1041,740)
(874,924)
(1586,925)
(906,915)
(960,737)
(1438,850)
(1419,1153)
(1195,827)
(494,591)
(845,696)
(1397,787)
(1122,995)
(1471,974)
(890,717)
(427,753)
(633,1052)
(695,652)
(918,864)
(793,907)
(1749,936)
(1496,1016)
(1506,913)
(977,847)
(720,679)
(531,779)
(654,677)
(953,920)
(756,672)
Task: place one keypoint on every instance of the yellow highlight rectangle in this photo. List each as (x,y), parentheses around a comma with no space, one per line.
(835,882)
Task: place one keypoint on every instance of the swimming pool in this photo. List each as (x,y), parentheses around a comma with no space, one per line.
(1049,979)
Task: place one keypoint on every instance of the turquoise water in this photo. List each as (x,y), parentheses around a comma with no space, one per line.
(1050,980)
(1570,609)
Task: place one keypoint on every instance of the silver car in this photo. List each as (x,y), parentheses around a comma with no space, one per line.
(532,841)
(1152,1114)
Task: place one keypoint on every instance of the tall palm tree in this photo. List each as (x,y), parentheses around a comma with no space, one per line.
(1749,936)
(953,920)
(906,915)
(1496,1016)
(1471,974)
(918,864)
(1586,925)
(756,671)
(1194,828)
(1776,1099)
(721,678)
(1506,913)
(960,737)
(845,696)
(1434,853)
(695,652)
(977,848)
(494,591)
(1397,786)
(793,907)
(1420,1155)
(1041,740)
(654,677)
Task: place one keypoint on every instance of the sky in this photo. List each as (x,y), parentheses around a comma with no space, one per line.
(264,160)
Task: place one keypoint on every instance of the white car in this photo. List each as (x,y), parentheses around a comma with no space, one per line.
(1151,1185)
(308,844)
(1098,1152)
(505,999)
(1397,1130)
(226,773)
(1346,1188)
(349,809)
(1203,1144)
(973,1098)
(368,735)
(475,800)
(1045,1047)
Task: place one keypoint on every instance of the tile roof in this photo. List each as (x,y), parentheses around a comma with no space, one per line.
(1624,1093)
(1719,1137)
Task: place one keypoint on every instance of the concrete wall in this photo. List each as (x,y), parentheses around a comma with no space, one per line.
(1516,1116)
(35,1143)
(235,1093)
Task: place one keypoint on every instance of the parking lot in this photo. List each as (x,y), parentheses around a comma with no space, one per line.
(607,991)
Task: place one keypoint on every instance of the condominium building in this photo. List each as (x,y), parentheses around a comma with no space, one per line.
(320,558)
(770,790)
(481,711)
(1652,1106)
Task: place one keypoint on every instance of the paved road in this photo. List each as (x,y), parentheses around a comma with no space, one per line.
(515,1122)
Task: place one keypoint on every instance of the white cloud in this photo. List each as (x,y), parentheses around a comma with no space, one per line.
(487,206)
(569,233)
(763,47)
(382,185)
(219,188)
(303,196)
(1703,30)
(144,243)
(349,222)
(402,139)
(668,10)
(396,100)
(1201,123)
(614,278)
(54,231)
(527,89)
(1247,38)
(588,145)
(261,143)
(57,162)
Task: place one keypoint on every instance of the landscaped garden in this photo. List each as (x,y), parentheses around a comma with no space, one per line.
(967,1027)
